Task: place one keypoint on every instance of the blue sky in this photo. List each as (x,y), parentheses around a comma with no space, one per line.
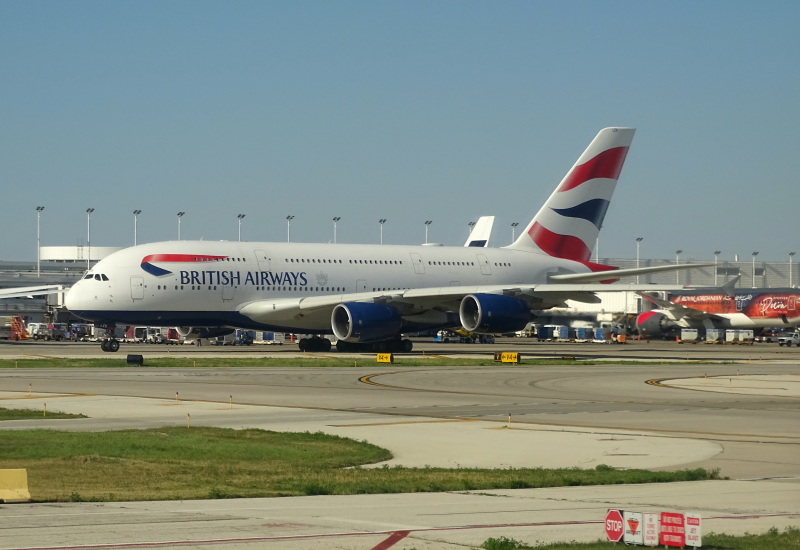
(409,111)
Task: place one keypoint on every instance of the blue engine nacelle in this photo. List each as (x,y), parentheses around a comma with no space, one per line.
(493,313)
(365,322)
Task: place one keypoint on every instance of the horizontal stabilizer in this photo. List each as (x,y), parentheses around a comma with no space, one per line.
(619,273)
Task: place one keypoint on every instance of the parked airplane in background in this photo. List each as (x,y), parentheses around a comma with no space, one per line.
(368,295)
(721,308)
(480,234)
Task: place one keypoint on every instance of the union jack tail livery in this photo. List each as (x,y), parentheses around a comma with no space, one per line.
(569,222)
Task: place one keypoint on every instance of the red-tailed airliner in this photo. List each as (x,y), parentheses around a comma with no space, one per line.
(721,309)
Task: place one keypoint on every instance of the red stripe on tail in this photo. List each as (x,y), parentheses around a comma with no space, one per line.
(559,246)
(607,164)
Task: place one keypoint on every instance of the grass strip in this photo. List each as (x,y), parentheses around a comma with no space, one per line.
(773,539)
(31,414)
(196,463)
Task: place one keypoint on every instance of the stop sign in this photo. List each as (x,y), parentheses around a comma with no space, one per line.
(614,525)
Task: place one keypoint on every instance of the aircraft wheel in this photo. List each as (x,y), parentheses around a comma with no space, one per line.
(303,344)
(104,345)
(341,345)
(113,345)
(380,347)
(407,345)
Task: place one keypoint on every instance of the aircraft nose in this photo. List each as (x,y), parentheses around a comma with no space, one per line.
(72,299)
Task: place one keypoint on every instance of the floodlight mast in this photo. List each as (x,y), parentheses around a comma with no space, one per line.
(39,210)
(88,237)
(135,223)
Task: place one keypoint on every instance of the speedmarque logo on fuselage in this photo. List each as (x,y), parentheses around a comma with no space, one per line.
(149,267)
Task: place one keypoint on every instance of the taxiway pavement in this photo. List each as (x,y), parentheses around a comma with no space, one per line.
(738,416)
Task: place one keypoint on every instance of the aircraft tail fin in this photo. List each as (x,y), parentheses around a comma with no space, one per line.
(729,288)
(570,220)
(479,236)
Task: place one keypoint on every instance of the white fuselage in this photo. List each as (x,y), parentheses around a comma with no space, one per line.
(203,283)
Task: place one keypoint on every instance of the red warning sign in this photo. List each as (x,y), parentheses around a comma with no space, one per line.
(672,530)
(615,525)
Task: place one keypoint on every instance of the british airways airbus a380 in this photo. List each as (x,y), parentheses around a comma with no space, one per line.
(368,295)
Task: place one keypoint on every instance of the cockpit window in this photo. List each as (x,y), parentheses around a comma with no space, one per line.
(96,276)
(103,275)
(88,276)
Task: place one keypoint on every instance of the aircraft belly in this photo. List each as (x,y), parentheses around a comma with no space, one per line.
(315,321)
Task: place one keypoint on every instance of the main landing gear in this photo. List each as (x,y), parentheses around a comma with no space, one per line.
(314,344)
(110,344)
(397,345)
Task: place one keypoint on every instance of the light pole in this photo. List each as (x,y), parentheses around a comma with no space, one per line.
(39,246)
(289,228)
(791,254)
(754,268)
(135,223)
(240,217)
(716,257)
(180,215)
(88,236)
(597,247)
(514,231)
(638,242)
(381,222)
(427,225)
(335,219)
(677,261)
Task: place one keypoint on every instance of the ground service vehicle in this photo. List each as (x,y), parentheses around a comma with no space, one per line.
(789,339)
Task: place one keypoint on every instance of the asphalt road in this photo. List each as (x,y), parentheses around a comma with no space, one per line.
(729,407)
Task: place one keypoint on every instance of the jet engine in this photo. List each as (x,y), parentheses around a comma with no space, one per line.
(652,324)
(493,313)
(192,333)
(365,322)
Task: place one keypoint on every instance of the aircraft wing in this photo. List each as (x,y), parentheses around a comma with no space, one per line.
(679,310)
(30,291)
(421,300)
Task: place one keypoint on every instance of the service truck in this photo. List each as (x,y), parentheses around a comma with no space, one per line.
(789,339)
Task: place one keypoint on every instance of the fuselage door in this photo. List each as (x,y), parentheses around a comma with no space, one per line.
(483,261)
(137,288)
(263,259)
(419,267)
(228,291)
(361,285)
